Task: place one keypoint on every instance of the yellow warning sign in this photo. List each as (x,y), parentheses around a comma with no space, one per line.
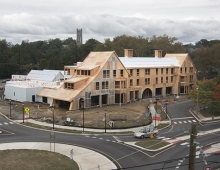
(26,110)
(151,136)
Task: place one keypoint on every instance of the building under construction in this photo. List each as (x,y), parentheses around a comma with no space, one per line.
(103,78)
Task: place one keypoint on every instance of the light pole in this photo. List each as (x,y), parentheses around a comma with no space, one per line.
(83,113)
(23,112)
(155,117)
(52,108)
(10,107)
(197,90)
(166,108)
(105,121)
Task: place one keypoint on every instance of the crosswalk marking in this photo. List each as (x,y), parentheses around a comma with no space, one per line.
(185,121)
(0,124)
(185,143)
(160,137)
(11,122)
(5,123)
(197,154)
(165,138)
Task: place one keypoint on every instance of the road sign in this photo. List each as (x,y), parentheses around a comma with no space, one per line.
(207,167)
(26,110)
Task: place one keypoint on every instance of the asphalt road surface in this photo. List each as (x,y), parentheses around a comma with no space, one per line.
(127,156)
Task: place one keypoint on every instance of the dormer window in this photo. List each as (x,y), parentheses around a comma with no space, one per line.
(85,72)
(69,86)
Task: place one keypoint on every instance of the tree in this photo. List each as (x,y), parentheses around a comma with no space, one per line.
(206,61)
(167,44)
(208,95)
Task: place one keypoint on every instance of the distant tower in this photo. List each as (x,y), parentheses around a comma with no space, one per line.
(79,37)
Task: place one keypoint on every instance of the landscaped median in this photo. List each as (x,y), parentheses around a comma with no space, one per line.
(153,145)
(24,159)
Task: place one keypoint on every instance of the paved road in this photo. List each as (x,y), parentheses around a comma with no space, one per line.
(114,147)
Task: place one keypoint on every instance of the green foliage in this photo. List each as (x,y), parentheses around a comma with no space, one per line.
(205,92)
(55,53)
(7,69)
(207,61)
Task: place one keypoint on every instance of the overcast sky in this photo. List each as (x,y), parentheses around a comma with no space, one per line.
(187,20)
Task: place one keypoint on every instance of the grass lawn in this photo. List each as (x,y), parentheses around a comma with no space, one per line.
(152,144)
(24,159)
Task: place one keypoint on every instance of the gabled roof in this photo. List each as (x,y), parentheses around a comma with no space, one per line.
(93,60)
(181,57)
(148,62)
(43,75)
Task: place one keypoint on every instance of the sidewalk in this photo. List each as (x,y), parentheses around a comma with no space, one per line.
(85,158)
(79,128)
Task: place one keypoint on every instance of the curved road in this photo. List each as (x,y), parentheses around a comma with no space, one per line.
(124,155)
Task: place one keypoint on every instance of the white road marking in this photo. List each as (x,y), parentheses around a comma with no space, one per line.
(5,123)
(117,139)
(194,120)
(160,137)
(182,118)
(189,121)
(185,143)
(166,139)
(197,154)
(185,121)
(175,122)
(180,122)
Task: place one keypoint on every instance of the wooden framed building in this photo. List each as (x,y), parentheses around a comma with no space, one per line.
(103,78)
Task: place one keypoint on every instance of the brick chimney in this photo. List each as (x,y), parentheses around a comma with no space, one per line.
(158,53)
(128,53)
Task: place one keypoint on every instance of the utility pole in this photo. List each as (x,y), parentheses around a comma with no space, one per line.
(192,150)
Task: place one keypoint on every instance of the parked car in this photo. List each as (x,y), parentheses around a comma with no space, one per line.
(146,132)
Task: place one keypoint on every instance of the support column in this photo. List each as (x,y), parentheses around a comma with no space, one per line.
(100,100)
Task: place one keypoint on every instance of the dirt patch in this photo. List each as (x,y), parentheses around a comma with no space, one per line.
(125,115)
(131,113)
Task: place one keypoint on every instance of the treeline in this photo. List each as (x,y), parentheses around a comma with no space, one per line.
(206,57)
(207,92)
(56,53)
